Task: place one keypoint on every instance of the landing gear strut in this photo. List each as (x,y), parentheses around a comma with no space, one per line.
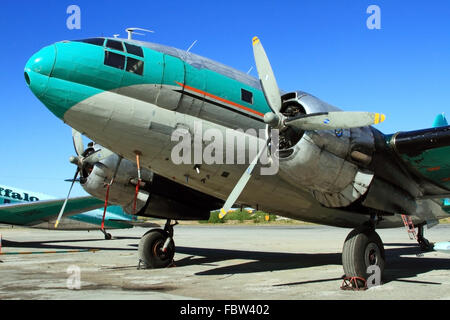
(362,248)
(106,234)
(157,248)
(424,244)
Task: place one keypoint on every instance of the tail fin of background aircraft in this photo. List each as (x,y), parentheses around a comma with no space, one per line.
(446,205)
(440,121)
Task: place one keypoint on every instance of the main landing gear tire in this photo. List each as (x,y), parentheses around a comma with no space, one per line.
(362,248)
(151,252)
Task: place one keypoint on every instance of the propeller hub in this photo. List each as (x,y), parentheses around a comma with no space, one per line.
(74,160)
(273,120)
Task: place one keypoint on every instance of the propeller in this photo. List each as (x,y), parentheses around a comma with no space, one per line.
(267,77)
(67,198)
(92,158)
(138,184)
(276,120)
(80,161)
(77,142)
(240,185)
(334,120)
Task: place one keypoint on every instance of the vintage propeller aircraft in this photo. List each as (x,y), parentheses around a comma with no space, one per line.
(334,168)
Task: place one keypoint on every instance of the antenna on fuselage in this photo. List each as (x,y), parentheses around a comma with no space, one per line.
(130,32)
(190,47)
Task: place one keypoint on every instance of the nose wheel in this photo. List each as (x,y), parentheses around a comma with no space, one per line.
(157,248)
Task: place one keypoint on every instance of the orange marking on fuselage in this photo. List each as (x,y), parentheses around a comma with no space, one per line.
(446,179)
(434,169)
(221,99)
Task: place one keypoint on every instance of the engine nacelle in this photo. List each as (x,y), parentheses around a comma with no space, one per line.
(327,162)
(122,192)
(158,197)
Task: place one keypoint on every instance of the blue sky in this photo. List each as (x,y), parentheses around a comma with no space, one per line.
(322,47)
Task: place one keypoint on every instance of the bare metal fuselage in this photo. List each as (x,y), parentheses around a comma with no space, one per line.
(316,182)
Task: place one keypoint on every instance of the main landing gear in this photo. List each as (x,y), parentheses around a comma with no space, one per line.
(157,248)
(362,248)
(424,244)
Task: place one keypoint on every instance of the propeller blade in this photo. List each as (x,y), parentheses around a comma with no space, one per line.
(97,156)
(67,198)
(335,120)
(266,76)
(77,142)
(234,195)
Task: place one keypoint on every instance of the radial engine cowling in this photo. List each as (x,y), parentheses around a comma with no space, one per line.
(332,164)
(94,180)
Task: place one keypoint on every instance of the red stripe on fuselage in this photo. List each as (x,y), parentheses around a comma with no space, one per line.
(234,104)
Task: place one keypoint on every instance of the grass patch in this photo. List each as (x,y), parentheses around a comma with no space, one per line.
(241,216)
(445,221)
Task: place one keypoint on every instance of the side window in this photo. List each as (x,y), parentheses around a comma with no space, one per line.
(135,66)
(114,60)
(247,96)
(132,49)
(113,44)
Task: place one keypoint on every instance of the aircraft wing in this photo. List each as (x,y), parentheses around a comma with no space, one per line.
(30,213)
(137,223)
(426,154)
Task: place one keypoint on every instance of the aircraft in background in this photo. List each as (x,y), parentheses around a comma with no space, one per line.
(37,210)
(441,121)
(335,168)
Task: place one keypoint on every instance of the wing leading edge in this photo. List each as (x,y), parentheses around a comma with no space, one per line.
(426,154)
(30,213)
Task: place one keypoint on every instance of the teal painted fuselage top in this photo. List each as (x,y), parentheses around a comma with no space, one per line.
(66,73)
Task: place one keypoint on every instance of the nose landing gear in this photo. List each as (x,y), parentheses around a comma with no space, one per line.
(157,248)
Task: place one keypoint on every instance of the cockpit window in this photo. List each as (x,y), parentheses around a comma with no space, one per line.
(95,41)
(114,60)
(135,66)
(137,51)
(113,44)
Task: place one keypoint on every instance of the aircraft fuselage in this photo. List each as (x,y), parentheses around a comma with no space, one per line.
(131,96)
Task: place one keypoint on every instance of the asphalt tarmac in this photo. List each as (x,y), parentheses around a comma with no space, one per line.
(253,262)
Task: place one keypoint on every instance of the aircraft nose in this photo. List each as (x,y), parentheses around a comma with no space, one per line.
(39,68)
(42,61)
